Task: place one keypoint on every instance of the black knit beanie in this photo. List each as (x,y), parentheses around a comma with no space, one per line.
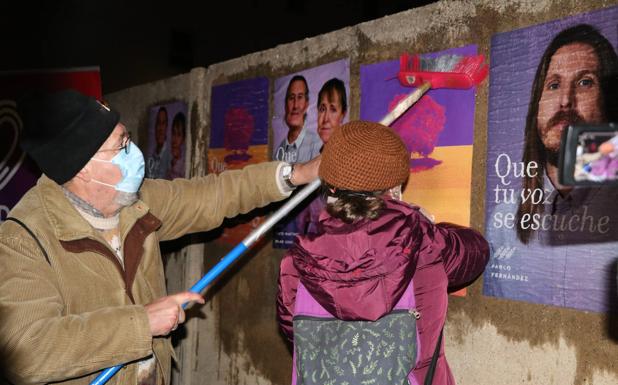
(63,130)
(364,156)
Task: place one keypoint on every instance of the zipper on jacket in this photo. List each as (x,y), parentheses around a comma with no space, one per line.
(415,314)
(331,318)
(114,258)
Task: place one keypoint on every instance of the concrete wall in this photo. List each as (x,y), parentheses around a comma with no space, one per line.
(184,258)
(234,338)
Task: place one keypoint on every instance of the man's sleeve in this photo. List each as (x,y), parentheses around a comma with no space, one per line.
(201,204)
(39,342)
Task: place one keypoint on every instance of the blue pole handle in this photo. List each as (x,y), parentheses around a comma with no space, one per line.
(197,288)
(217,269)
(106,375)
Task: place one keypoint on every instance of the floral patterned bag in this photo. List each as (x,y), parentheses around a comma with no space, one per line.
(330,351)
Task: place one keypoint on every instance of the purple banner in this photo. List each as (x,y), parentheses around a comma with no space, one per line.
(437,130)
(380,91)
(250,96)
(551,244)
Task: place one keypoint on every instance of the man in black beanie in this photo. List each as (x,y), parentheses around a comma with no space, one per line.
(82,284)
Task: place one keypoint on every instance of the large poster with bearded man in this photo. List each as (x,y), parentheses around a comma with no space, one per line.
(551,244)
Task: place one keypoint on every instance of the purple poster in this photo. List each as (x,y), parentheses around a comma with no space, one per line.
(238,137)
(167,130)
(551,244)
(437,130)
(308,106)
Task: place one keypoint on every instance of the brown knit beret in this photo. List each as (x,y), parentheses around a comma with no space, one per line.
(364,156)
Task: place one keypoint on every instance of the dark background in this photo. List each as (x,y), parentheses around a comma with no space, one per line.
(135,42)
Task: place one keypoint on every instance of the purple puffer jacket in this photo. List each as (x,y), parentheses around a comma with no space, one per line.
(360,271)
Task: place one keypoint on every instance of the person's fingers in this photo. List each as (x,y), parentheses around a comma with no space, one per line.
(187,296)
(306,172)
(606,148)
(315,160)
(181,315)
(166,313)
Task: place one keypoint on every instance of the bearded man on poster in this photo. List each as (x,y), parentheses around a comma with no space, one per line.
(559,249)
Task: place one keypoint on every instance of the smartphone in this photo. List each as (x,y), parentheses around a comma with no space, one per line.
(589,155)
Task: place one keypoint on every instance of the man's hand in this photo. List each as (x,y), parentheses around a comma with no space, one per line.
(306,172)
(166,313)
(605,148)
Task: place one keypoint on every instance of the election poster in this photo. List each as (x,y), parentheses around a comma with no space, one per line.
(438,131)
(239,137)
(551,243)
(308,106)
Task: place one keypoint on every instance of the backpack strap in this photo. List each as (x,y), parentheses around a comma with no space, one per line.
(22,224)
(434,360)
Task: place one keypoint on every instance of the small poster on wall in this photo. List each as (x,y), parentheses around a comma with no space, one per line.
(167,130)
(239,136)
(438,131)
(308,106)
(551,244)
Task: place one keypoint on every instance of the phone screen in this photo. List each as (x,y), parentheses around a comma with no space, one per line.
(589,155)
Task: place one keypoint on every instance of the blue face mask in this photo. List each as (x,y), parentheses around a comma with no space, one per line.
(131,165)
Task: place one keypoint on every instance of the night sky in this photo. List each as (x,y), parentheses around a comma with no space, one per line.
(136,42)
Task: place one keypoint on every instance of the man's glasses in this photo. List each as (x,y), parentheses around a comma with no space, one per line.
(124,145)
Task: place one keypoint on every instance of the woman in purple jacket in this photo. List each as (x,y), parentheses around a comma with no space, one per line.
(364,300)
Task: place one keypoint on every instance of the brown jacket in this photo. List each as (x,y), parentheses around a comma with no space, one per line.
(81,312)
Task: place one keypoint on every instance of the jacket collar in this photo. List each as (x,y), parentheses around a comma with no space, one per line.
(344,247)
(68,224)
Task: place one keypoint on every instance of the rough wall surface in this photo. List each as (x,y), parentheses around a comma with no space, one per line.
(234,340)
(183,265)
